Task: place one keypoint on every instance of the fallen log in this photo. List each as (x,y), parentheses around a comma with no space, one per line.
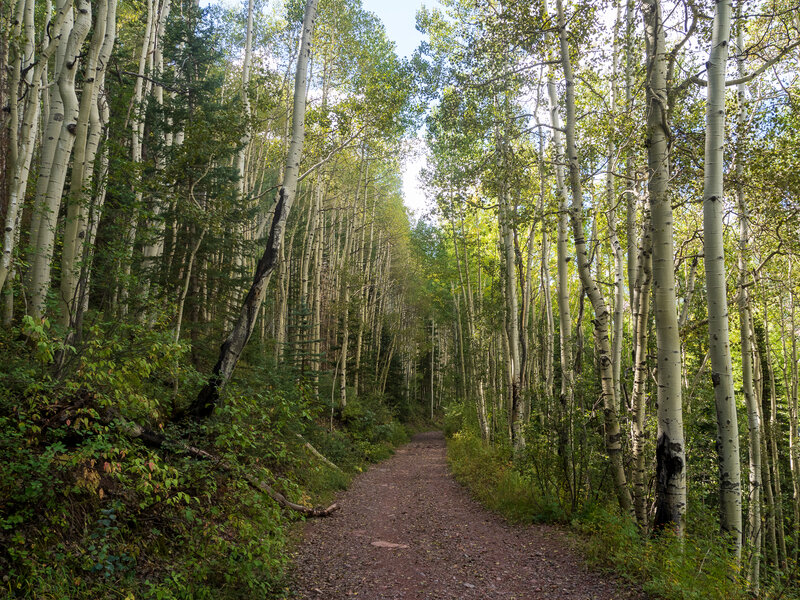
(318,454)
(156,440)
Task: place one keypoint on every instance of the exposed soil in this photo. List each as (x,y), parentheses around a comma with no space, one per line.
(408,530)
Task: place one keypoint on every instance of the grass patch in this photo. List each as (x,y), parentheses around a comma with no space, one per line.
(488,472)
(664,566)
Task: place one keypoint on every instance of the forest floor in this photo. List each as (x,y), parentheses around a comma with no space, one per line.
(408,530)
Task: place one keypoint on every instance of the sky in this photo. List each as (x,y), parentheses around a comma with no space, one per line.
(399,18)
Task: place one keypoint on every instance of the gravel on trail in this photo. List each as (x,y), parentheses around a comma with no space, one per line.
(407,529)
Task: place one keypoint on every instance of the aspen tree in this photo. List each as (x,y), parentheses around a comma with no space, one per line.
(512,330)
(247,135)
(772,432)
(716,283)
(613,435)
(562,268)
(789,379)
(153,249)
(137,109)
(630,195)
(475,370)
(43,250)
(232,347)
(747,351)
(545,280)
(25,111)
(641,315)
(670,450)
(87,141)
(52,118)
(616,246)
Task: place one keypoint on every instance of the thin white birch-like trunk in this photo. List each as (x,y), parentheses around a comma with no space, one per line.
(749,365)
(141,91)
(773,431)
(153,250)
(670,447)
(52,119)
(87,141)
(508,256)
(43,250)
(613,434)
(548,367)
(25,111)
(641,315)
(716,283)
(566,396)
(619,252)
(630,184)
(473,365)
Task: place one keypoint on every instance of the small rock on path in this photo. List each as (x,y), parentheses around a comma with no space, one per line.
(408,530)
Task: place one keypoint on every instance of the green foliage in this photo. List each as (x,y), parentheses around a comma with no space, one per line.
(671,568)
(453,418)
(697,567)
(489,473)
(87,511)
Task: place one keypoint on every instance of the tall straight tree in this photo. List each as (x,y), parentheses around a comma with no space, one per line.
(562,266)
(231,349)
(65,123)
(670,450)
(613,434)
(754,529)
(730,489)
(25,84)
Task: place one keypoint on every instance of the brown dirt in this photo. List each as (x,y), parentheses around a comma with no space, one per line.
(408,530)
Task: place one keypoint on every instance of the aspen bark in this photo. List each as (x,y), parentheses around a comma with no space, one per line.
(630,195)
(473,346)
(754,527)
(138,109)
(43,251)
(753,412)
(772,433)
(670,449)
(153,249)
(790,379)
(616,246)
(567,392)
(545,282)
(25,85)
(515,396)
(87,141)
(716,284)
(641,315)
(613,435)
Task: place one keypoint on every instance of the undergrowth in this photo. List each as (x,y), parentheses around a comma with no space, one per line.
(694,568)
(89,511)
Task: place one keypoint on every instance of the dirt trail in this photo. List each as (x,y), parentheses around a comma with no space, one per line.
(408,530)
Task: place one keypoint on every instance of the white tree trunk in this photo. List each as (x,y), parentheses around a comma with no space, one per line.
(24,117)
(670,448)
(87,141)
(40,275)
(566,396)
(716,283)
(613,435)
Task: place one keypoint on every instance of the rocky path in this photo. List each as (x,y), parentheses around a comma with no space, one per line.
(408,530)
